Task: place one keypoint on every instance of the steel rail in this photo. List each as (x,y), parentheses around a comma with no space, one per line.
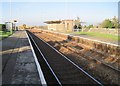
(95,80)
(46,61)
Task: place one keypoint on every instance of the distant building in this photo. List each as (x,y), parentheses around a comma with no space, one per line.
(9,26)
(62,25)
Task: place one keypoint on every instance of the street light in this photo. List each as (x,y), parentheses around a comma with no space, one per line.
(15,21)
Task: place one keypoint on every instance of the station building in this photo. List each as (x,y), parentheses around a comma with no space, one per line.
(62,25)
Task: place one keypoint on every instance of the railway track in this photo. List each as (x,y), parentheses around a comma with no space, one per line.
(56,67)
(91,52)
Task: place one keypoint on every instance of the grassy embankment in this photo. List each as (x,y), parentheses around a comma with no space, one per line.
(4,34)
(101,35)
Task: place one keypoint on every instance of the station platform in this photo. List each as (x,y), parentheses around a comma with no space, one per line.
(18,63)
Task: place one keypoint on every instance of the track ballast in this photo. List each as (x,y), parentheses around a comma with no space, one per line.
(56,67)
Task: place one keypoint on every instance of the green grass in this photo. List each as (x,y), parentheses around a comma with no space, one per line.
(4,34)
(102,35)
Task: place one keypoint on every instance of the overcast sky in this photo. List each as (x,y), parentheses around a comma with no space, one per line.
(35,13)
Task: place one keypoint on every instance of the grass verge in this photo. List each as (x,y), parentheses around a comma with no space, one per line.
(4,34)
(102,35)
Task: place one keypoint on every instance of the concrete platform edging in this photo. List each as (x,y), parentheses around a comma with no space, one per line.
(41,76)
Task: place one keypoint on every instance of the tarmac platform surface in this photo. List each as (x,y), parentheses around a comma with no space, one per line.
(18,63)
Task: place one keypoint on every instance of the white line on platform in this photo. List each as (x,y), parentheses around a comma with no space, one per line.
(41,76)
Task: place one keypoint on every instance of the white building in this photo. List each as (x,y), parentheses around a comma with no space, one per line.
(9,26)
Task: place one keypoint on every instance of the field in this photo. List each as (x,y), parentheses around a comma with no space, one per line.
(101,35)
(4,34)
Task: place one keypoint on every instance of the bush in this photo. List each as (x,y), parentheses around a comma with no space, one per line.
(107,24)
(2,27)
(110,23)
(90,26)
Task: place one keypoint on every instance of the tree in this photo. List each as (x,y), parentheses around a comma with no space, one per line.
(115,22)
(90,26)
(110,23)
(107,24)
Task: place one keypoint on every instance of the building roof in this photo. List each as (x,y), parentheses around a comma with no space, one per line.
(56,21)
(51,22)
(68,20)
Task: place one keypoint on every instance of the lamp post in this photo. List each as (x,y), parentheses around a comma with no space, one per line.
(15,24)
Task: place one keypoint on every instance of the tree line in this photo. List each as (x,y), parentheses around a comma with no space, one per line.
(107,23)
(110,23)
